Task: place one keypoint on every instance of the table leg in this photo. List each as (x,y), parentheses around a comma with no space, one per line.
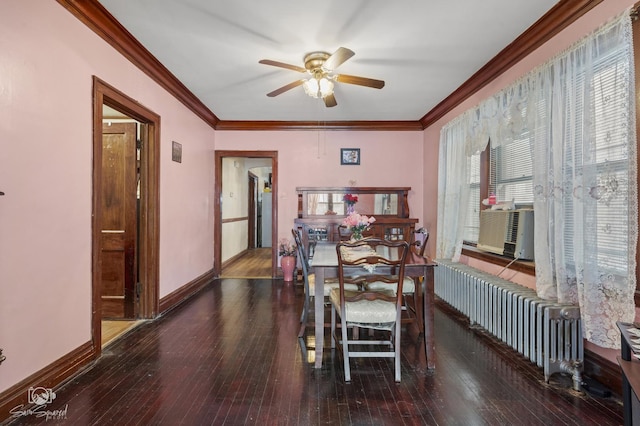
(319,314)
(625,354)
(427,309)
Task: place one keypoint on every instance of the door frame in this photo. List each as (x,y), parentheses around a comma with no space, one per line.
(149,229)
(217,204)
(252,213)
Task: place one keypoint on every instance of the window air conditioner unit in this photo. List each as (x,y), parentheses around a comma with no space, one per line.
(507,232)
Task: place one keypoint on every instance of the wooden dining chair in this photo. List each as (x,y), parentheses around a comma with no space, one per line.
(313,235)
(309,281)
(374,261)
(411,297)
(419,239)
(344,233)
(412,301)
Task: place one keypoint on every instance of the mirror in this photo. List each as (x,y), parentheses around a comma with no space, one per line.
(331,203)
(325,202)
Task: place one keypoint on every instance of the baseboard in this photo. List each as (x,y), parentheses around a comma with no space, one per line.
(603,371)
(50,377)
(175,298)
(596,367)
(56,373)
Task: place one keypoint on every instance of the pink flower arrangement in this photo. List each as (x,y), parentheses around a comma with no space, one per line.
(358,223)
(286,248)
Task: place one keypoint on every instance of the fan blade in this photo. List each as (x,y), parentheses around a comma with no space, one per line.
(330,101)
(339,57)
(282,65)
(285,88)
(360,81)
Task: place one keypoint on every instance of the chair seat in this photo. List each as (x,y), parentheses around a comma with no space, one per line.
(329,284)
(408,286)
(365,311)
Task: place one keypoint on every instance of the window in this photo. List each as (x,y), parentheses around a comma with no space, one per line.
(472,225)
(509,177)
(584,185)
(572,120)
(330,202)
(605,159)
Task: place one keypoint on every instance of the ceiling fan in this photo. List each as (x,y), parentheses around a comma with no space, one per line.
(320,66)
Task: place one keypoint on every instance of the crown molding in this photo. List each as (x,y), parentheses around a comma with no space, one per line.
(555,20)
(321,125)
(98,19)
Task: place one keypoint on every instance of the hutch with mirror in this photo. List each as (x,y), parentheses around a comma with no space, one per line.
(321,210)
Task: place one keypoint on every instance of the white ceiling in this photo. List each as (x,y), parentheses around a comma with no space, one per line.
(423,50)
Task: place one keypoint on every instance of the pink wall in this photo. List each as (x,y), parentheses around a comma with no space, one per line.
(309,158)
(430,201)
(47,59)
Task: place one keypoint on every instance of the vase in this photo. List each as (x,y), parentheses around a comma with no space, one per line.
(351,208)
(288,264)
(356,234)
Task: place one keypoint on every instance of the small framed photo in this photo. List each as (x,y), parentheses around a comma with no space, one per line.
(176,152)
(350,156)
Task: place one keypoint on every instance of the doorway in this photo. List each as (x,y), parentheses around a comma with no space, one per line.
(119,216)
(220,221)
(125,226)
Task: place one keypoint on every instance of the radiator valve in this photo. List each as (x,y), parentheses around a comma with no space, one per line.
(575,369)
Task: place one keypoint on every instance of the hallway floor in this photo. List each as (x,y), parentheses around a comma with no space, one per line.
(255,263)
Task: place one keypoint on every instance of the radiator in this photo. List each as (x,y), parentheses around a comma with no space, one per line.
(547,333)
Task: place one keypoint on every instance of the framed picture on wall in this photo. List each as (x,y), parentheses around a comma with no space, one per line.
(176,152)
(350,156)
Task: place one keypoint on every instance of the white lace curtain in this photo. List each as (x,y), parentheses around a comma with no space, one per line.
(579,110)
(453,189)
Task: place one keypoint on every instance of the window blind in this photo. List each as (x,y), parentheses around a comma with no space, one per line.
(606,160)
(511,171)
(472,225)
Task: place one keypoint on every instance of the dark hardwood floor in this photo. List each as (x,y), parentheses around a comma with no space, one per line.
(230,356)
(254,263)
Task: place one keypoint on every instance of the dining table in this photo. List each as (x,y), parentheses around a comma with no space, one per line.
(325,265)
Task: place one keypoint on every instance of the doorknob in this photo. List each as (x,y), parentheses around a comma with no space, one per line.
(1,193)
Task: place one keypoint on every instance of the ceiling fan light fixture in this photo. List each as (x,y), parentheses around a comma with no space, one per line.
(318,87)
(319,67)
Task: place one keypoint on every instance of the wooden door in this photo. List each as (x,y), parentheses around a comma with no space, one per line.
(118,221)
